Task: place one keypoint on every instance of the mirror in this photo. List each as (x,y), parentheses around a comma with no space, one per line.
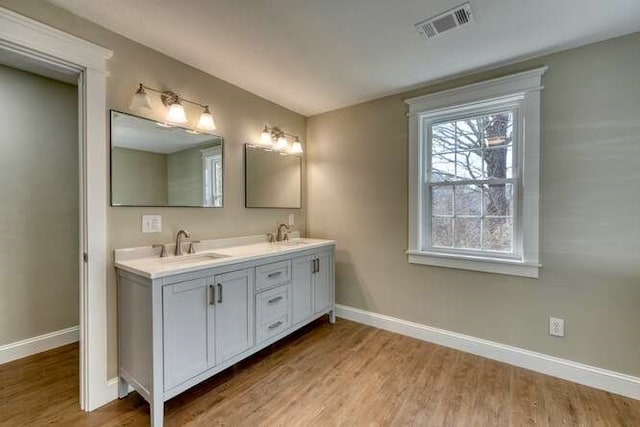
(155,164)
(272,178)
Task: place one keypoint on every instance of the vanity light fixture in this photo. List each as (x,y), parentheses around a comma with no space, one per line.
(282,143)
(276,138)
(175,112)
(296,147)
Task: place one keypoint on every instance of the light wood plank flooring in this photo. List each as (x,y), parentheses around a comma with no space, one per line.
(345,374)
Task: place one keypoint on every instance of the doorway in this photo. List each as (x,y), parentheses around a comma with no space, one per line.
(50,50)
(39,211)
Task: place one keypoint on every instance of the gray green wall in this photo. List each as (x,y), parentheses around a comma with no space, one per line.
(139,177)
(184,170)
(590,201)
(38,205)
(239,115)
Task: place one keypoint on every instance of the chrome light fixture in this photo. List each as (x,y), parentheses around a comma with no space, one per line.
(276,138)
(140,100)
(265,137)
(296,147)
(175,110)
(206,120)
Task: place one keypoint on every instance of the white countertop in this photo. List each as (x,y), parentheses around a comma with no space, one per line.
(147,262)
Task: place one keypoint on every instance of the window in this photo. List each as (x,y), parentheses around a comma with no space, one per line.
(474,176)
(212,176)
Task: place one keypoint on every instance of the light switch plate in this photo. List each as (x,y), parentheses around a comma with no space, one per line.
(556,327)
(291,218)
(151,223)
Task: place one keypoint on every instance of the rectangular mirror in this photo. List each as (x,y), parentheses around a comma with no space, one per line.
(155,164)
(272,178)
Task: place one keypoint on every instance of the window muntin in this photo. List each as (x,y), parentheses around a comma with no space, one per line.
(471,183)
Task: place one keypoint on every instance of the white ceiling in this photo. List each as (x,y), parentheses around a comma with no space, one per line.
(136,133)
(313,56)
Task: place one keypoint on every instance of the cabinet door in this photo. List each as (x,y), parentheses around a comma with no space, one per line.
(301,301)
(186,331)
(234,313)
(322,281)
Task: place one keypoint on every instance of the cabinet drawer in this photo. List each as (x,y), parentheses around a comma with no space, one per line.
(273,274)
(273,309)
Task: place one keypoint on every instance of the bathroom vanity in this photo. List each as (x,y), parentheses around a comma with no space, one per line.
(182,319)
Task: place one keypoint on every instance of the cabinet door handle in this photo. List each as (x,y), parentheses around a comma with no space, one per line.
(212,295)
(317,265)
(275,300)
(219,292)
(275,325)
(274,274)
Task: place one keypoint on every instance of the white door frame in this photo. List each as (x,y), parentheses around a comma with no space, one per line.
(57,50)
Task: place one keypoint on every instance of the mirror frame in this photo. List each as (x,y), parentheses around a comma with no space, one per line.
(111,111)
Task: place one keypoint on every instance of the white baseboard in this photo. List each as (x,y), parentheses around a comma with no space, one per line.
(24,348)
(614,382)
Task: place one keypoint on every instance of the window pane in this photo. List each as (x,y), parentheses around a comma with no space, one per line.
(468,200)
(498,129)
(469,133)
(442,200)
(469,165)
(441,231)
(467,233)
(443,167)
(498,234)
(443,137)
(498,200)
(498,162)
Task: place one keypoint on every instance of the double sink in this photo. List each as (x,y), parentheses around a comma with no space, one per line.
(191,259)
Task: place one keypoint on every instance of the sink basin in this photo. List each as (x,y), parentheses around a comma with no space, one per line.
(292,243)
(189,259)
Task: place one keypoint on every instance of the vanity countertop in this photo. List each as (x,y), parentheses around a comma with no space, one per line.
(146,262)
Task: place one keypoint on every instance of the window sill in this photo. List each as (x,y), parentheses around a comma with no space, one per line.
(487,265)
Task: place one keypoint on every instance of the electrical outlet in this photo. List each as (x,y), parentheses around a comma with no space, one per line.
(151,223)
(556,327)
(291,217)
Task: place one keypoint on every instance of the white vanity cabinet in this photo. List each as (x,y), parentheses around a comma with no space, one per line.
(176,330)
(188,331)
(234,313)
(312,284)
(206,321)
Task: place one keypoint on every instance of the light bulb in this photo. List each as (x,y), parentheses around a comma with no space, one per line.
(140,100)
(296,147)
(206,120)
(176,113)
(282,143)
(265,137)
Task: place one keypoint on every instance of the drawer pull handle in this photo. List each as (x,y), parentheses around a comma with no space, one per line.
(274,274)
(275,325)
(275,300)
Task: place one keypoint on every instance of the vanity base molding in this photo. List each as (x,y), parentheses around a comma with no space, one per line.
(176,331)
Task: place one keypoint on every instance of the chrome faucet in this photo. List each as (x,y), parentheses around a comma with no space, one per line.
(283,235)
(179,241)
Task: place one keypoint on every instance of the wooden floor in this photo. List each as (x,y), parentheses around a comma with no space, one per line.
(345,374)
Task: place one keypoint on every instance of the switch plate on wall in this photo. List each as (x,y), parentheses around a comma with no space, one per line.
(151,223)
(291,217)
(556,327)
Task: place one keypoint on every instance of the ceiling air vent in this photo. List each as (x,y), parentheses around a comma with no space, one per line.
(446,21)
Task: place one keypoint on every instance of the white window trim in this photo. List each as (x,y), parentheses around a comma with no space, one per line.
(208,153)
(524,88)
